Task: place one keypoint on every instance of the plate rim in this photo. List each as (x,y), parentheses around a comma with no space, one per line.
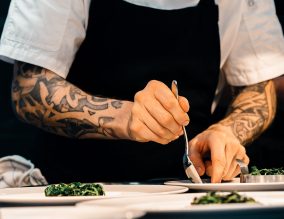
(11,197)
(227,186)
(183,197)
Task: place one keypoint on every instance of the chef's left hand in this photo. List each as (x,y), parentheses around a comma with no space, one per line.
(223,147)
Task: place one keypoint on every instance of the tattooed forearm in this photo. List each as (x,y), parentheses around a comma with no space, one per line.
(42,98)
(252,111)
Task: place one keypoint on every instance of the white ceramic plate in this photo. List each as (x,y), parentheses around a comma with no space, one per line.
(182,203)
(68,213)
(35,195)
(234,185)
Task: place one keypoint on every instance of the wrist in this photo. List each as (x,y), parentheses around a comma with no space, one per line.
(119,123)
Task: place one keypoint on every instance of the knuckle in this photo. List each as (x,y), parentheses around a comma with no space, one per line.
(167,120)
(162,132)
(247,160)
(135,127)
(242,150)
(193,144)
(153,83)
(170,104)
(220,162)
(135,110)
(139,96)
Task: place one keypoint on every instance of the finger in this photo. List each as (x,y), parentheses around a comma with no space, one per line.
(245,159)
(230,174)
(155,127)
(208,166)
(171,104)
(163,117)
(196,157)
(236,172)
(231,151)
(218,162)
(234,167)
(141,133)
(183,102)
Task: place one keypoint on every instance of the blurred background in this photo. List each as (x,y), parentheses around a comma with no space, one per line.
(21,139)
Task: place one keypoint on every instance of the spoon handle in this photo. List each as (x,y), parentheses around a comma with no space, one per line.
(188,165)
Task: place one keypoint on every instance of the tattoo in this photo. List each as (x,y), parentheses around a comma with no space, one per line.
(116,104)
(252,111)
(107,132)
(48,101)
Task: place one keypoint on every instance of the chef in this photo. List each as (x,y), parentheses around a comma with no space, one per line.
(90,71)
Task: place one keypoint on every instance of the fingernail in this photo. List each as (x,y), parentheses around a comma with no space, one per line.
(185,123)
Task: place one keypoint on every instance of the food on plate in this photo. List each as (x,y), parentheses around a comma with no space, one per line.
(74,189)
(272,171)
(215,198)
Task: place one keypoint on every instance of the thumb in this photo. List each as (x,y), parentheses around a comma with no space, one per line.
(197,161)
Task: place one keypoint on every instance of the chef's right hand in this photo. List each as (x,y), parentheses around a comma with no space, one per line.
(157,115)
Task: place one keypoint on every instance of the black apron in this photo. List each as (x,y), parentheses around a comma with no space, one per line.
(126,47)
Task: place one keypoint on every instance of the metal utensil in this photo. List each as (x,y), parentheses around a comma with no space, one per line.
(246,177)
(244,170)
(243,166)
(187,164)
(262,178)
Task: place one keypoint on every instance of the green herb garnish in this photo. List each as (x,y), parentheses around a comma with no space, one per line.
(214,198)
(74,189)
(272,171)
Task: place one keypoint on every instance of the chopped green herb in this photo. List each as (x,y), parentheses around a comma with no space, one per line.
(74,189)
(272,171)
(214,198)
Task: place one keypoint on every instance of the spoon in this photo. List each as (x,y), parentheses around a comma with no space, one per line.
(187,163)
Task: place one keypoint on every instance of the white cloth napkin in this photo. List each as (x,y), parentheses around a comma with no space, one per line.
(16,171)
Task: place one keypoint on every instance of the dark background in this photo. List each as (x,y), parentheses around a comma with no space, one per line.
(19,138)
(15,137)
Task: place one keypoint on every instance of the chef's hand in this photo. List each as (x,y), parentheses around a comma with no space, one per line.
(157,115)
(224,148)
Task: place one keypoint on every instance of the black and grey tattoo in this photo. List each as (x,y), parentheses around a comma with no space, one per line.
(252,111)
(46,100)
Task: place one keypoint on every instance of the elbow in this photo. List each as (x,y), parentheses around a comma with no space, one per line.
(25,93)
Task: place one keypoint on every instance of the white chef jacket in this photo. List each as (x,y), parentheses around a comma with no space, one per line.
(48,33)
